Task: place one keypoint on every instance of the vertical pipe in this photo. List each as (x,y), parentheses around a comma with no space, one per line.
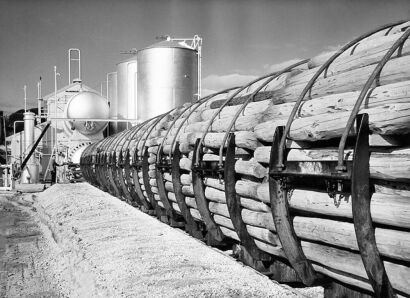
(25,98)
(39,100)
(74,59)
(32,168)
(55,106)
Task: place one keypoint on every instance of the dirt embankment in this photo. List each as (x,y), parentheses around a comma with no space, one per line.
(93,245)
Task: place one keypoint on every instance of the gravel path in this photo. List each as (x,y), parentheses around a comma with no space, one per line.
(94,245)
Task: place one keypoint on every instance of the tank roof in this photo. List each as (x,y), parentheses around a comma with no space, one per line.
(168,44)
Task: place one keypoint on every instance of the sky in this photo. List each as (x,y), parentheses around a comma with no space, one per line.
(242,39)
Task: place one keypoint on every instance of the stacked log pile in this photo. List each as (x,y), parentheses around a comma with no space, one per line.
(322,222)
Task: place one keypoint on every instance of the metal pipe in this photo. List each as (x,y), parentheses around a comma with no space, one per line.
(55,105)
(69,63)
(90,119)
(25,98)
(14,134)
(5,134)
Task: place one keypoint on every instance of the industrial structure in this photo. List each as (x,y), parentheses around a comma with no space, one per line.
(74,116)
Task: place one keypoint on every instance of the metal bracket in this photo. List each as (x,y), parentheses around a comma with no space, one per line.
(281,217)
(201,201)
(234,204)
(362,219)
(192,225)
(163,194)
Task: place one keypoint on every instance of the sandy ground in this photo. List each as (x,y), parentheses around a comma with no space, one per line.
(77,241)
(24,251)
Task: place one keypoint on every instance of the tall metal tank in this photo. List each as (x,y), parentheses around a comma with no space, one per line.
(112,96)
(127,88)
(167,77)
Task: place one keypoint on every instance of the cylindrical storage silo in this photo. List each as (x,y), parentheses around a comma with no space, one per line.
(112,97)
(127,88)
(167,77)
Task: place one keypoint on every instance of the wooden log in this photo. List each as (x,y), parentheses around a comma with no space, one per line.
(251,168)
(219,208)
(186,179)
(167,177)
(151,173)
(264,235)
(347,279)
(160,204)
(171,197)
(242,123)
(152,159)
(394,71)
(392,210)
(224,221)
(258,219)
(391,243)
(185,163)
(243,139)
(390,165)
(176,207)
(153,182)
(342,102)
(273,250)
(252,109)
(154,141)
(351,263)
(215,195)
(184,147)
(247,188)
(229,233)
(240,98)
(188,190)
(152,149)
(169,186)
(195,214)
(154,189)
(254,205)
(384,120)
(152,167)
(215,183)
(373,44)
(190,201)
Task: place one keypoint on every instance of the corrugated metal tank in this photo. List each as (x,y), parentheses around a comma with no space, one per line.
(127,88)
(112,96)
(167,77)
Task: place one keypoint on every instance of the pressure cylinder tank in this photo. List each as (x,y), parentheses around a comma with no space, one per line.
(127,91)
(167,77)
(87,105)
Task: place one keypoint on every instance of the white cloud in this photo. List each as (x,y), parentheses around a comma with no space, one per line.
(280,66)
(220,82)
